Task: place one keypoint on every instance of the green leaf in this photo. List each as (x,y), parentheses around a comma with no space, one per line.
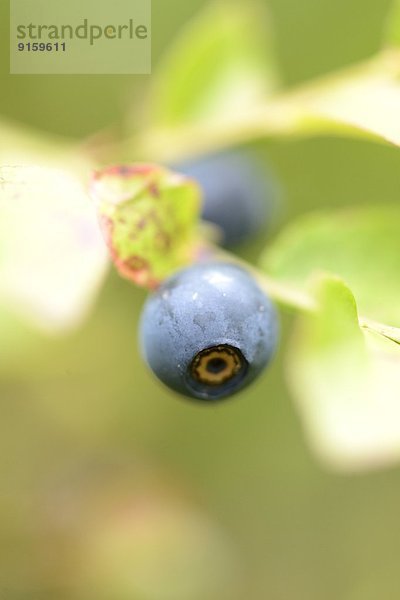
(364,101)
(52,257)
(219,67)
(150,220)
(346,382)
(361,245)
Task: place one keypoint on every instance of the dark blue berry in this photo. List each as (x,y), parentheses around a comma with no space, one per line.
(208,331)
(238,193)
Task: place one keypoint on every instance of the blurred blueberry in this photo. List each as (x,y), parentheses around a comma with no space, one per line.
(208,331)
(239,193)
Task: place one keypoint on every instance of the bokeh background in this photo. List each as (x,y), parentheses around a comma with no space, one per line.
(113,488)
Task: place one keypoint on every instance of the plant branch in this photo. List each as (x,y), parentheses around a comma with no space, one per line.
(295,113)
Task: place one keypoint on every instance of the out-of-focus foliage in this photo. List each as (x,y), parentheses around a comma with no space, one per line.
(52,257)
(346,381)
(219,68)
(361,102)
(366,101)
(348,387)
(20,145)
(360,245)
(218,59)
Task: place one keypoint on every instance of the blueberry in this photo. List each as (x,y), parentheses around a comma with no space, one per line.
(208,331)
(238,193)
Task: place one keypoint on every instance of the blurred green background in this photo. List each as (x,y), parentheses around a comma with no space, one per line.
(113,488)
